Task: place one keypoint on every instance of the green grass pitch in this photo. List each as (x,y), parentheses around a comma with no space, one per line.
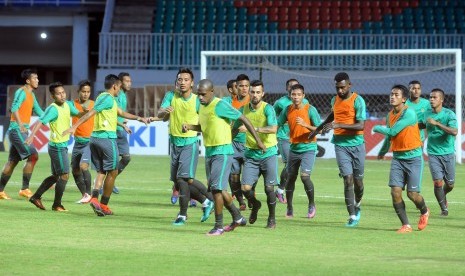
(140,239)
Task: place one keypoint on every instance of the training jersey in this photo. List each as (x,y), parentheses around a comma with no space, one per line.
(122,102)
(298,135)
(106,118)
(83,132)
(420,108)
(215,121)
(237,104)
(24,102)
(403,133)
(348,111)
(185,111)
(439,142)
(280,105)
(261,117)
(59,119)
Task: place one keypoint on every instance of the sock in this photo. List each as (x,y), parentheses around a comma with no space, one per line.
(236,190)
(309,189)
(87,180)
(290,186)
(205,203)
(349,199)
(44,186)
(125,159)
(79,179)
(401,213)
(3,181)
(271,201)
(358,190)
(235,213)
(59,190)
(250,196)
(104,200)
(219,221)
(184,196)
(421,206)
(26,180)
(95,193)
(283,179)
(440,195)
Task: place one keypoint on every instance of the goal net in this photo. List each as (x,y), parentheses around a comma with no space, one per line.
(372,73)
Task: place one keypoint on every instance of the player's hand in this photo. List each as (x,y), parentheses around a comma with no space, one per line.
(127,129)
(381,157)
(328,127)
(29,140)
(169,109)
(300,122)
(185,128)
(23,129)
(242,129)
(262,146)
(69,131)
(432,121)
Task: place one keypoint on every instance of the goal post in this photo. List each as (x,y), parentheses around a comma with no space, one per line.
(370,69)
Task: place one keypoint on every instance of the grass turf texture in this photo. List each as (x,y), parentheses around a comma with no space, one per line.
(140,239)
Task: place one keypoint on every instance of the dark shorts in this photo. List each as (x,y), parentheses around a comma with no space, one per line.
(18,149)
(267,167)
(184,161)
(80,154)
(104,154)
(122,141)
(284,148)
(59,160)
(351,160)
(442,167)
(218,168)
(303,160)
(238,157)
(406,172)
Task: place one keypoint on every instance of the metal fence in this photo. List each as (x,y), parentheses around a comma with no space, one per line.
(167,51)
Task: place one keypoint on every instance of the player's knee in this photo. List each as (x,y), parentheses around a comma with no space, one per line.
(396,193)
(412,195)
(269,189)
(33,158)
(438,183)
(125,159)
(84,166)
(246,187)
(64,176)
(304,175)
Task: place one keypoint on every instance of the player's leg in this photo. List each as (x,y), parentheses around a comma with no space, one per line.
(284,147)
(397,184)
(8,168)
(414,171)
(358,153)
(293,165)
(76,156)
(344,162)
(269,170)
(123,149)
(306,168)
(60,168)
(250,175)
